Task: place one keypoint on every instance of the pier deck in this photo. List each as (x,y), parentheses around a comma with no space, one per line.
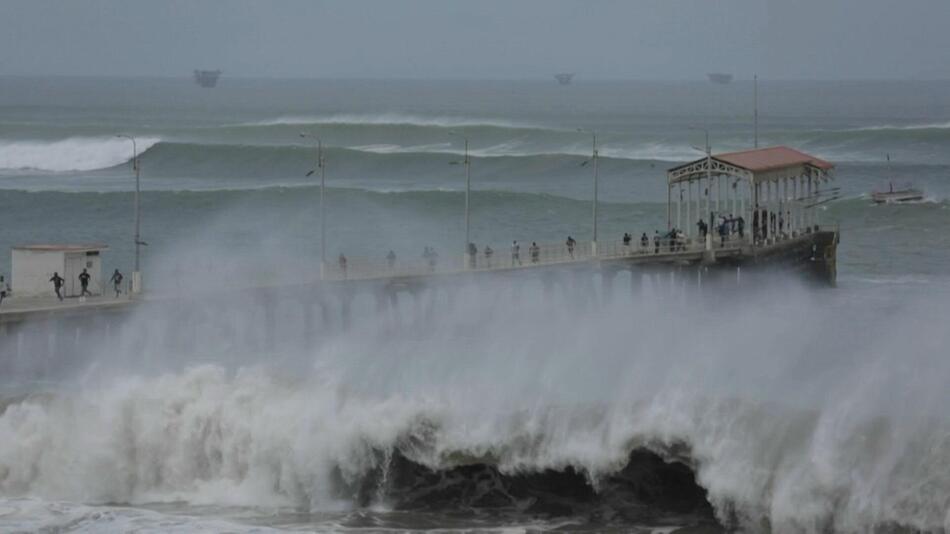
(550,257)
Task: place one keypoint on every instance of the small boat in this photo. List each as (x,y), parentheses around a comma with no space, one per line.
(720,77)
(900,196)
(207,78)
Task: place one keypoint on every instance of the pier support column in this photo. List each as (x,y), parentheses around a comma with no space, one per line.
(306,334)
(607,284)
(270,322)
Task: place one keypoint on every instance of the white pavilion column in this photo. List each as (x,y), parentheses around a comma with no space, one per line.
(734,185)
(679,205)
(794,205)
(785,211)
(718,195)
(810,202)
(689,201)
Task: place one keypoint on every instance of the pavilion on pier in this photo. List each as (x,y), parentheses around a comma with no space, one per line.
(764,184)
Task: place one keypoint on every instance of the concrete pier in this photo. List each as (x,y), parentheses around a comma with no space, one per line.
(40,334)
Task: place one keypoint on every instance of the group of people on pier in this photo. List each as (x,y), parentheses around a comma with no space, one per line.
(84,278)
(727,227)
(766,223)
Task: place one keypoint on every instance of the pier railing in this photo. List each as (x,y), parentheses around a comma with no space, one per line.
(527,256)
(504,258)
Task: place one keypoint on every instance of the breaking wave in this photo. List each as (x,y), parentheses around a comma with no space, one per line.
(706,410)
(72,154)
(905,127)
(393,119)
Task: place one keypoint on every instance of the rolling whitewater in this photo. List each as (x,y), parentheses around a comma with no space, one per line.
(787,408)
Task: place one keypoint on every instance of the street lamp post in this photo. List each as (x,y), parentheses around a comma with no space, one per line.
(321,165)
(594,158)
(468,190)
(708,151)
(136,273)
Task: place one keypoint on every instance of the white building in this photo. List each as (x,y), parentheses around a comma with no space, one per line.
(34,265)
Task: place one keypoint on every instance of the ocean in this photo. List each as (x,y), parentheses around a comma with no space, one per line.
(787,408)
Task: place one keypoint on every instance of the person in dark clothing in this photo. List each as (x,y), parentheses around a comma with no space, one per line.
(644,241)
(116,282)
(702,229)
(535,251)
(4,288)
(57,284)
(84,283)
(570,246)
(472,255)
(342,261)
(391,259)
(488,255)
(723,232)
(740,224)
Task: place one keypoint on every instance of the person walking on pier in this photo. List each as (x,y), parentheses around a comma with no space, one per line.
(57,285)
(116,282)
(627,238)
(656,241)
(570,246)
(84,284)
(740,224)
(644,242)
(342,262)
(433,258)
(515,253)
(535,252)
(472,255)
(488,255)
(703,229)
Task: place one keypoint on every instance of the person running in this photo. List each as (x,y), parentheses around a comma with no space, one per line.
(116,282)
(57,285)
(84,284)
(570,246)
(391,260)
(515,253)
(342,261)
(488,255)
(535,252)
(4,288)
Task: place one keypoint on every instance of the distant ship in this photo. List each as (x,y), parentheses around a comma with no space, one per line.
(719,77)
(207,78)
(564,78)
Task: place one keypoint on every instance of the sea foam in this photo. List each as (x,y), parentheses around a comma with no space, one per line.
(71,154)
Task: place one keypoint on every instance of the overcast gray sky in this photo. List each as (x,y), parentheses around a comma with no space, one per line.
(613,39)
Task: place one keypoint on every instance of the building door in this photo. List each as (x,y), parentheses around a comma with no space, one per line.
(74,265)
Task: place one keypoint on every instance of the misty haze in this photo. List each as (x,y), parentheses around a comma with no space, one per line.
(527,266)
